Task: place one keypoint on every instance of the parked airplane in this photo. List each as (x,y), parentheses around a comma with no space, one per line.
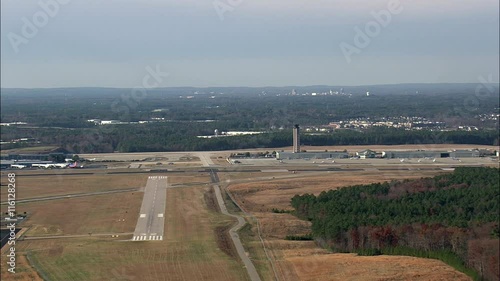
(59,165)
(48,166)
(43,166)
(18,166)
(75,166)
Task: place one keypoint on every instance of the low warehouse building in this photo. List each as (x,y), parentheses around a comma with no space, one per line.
(465,153)
(415,154)
(311,155)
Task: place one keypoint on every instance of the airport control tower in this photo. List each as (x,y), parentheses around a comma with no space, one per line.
(296,139)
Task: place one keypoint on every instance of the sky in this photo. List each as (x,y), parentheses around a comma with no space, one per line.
(203,43)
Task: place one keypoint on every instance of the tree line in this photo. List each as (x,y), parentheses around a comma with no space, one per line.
(183,137)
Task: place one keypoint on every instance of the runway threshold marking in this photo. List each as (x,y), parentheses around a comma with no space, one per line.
(148,238)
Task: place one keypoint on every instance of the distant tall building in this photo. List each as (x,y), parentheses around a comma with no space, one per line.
(296,139)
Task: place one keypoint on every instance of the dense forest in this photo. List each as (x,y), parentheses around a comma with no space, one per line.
(453,217)
(180,137)
(59,116)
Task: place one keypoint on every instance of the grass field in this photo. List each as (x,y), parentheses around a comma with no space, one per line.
(190,249)
(53,184)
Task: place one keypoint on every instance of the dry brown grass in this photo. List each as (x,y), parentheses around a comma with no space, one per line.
(26,274)
(53,184)
(82,215)
(189,250)
(344,267)
(265,195)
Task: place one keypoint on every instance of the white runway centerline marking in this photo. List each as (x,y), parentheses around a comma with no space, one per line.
(160,215)
(143,215)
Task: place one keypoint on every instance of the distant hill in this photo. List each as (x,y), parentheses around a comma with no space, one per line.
(391,89)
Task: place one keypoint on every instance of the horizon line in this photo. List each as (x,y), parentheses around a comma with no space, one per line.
(250,87)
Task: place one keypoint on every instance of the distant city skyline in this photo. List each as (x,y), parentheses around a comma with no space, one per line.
(255,43)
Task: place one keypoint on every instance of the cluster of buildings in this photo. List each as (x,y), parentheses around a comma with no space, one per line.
(329,93)
(404,122)
(13,124)
(488,116)
(48,160)
(218,133)
(100,122)
(367,153)
(21,140)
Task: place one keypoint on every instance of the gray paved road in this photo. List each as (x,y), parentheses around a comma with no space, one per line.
(233,232)
(151,221)
(205,159)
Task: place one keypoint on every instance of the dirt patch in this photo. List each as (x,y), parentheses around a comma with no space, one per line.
(224,241)
(211,201)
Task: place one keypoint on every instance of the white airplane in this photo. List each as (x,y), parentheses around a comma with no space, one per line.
(434,160)
(401,160)
(43,166)
(18,166)
(59,165)
(333,161)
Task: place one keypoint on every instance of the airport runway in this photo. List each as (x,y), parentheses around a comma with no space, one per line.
(151,221)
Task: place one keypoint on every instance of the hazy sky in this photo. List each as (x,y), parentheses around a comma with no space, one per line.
(109,43)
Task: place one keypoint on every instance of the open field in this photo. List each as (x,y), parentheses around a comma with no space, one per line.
(55,184)
(265,195)
(309,266)
(94,214)
(193,247)
(34,149)
(148,157)
(295,260)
